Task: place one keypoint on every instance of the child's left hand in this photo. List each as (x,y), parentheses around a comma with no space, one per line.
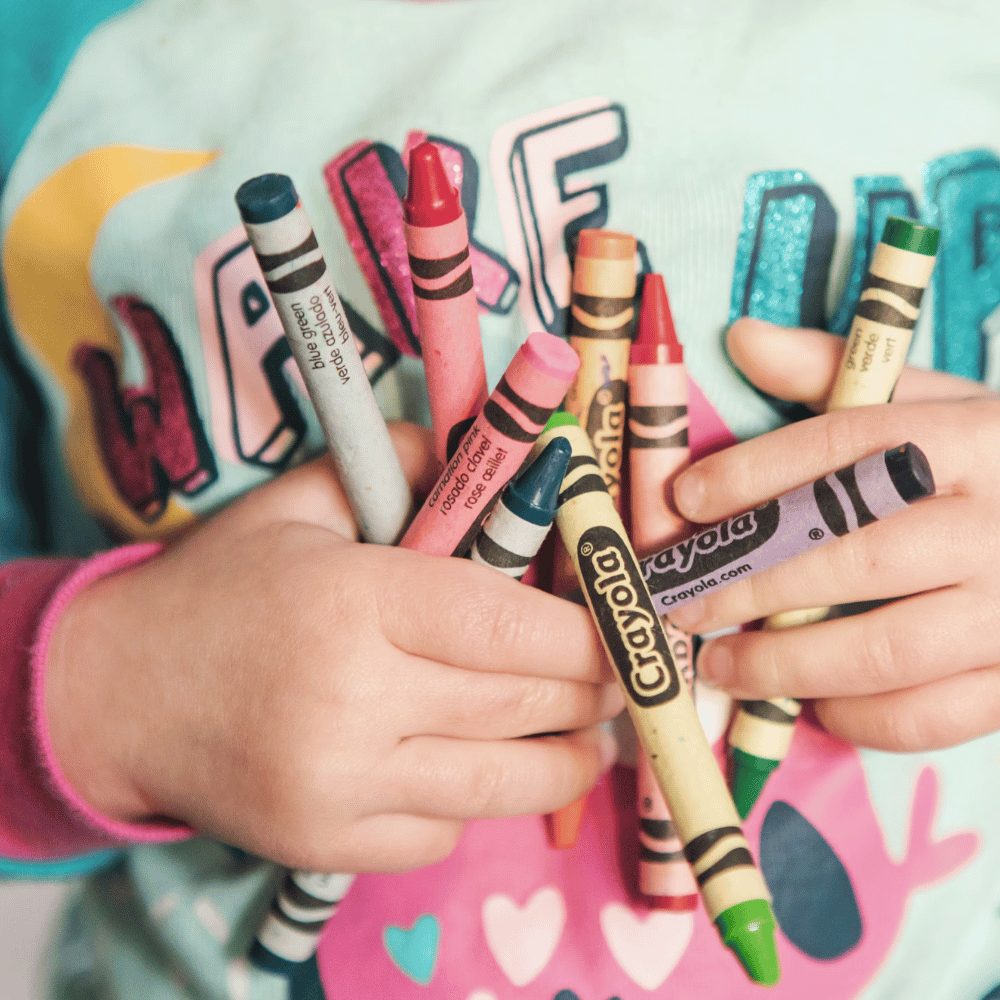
(921,672)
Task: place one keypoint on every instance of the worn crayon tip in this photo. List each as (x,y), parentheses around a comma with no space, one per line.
(605,244)
(747,929)
(266,198)
(748,776)
(909,234)
(551,355)
(564,825)
(534,495)
(910,472)
(656,340)
(431,200)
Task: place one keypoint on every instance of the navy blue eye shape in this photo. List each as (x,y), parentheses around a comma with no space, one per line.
(254,302)
(813,898)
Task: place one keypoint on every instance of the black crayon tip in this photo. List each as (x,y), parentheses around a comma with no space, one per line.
(910,472)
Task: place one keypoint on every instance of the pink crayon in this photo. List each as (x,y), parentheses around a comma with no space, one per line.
(658,451)
(494,447)
(437,238)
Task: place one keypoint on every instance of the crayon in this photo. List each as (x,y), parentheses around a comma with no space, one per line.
(296,918)
(600,332)
(513,533)
(327,355)
(661,708)
(494,447)
(437,240)
(873,360)
(796,522)
(887,313)
(326,352)
(601,311)
(658,451)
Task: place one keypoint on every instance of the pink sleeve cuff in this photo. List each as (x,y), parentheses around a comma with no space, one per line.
(113,831)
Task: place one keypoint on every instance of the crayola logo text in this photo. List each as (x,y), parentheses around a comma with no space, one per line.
(624,612)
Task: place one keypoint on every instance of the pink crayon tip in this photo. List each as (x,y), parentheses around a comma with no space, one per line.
(551,355)
(656,341)
(430,198)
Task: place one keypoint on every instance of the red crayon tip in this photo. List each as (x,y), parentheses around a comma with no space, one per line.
(656,341)
(431,200)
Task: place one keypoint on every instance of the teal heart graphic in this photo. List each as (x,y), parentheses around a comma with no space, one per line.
(414,951)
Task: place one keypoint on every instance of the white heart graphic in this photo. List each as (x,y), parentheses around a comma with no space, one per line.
(647,950)
(522,939)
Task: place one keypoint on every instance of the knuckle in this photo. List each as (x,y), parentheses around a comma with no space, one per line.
(881,656)
(485,792)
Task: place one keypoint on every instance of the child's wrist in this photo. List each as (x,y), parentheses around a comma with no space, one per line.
(85,733)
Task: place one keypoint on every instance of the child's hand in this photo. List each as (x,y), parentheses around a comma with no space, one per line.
(915,674)
(331,705)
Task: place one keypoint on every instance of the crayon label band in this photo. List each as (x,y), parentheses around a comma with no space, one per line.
(605,425)
(713,548)
(626,617)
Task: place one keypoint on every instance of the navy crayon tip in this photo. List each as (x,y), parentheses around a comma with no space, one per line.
(910,472)
(534,495)
(266,198)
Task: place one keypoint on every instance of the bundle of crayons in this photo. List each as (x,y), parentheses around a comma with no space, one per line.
(511,465)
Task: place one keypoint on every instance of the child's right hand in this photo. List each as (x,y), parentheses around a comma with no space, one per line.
(327,704)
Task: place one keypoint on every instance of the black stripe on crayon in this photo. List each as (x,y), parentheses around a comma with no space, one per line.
(678,440)
(849,480)
(297,896)
(660,857)
(656,416)
(882,312)
(503,422)
(829,507)
(600,305)
(497,555)
(423,267)
(694,849)
(457,434)
(299,279)
(766,710)
(269,261)
(301,925)
(461,285)
(910,294)
(659,829)
(461,550)
(738,857)
(536,414)
(580,460)
(585,484)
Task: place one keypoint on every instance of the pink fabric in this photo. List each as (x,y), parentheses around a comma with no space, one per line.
(41,816)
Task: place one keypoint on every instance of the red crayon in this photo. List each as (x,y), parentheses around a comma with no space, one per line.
(437,239)
(494,447)
(658,451)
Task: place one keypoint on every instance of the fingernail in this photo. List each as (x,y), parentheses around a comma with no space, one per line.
(715,664)
(686,617)
(689,492)
(607,748)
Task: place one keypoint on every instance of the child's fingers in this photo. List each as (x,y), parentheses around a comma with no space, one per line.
(470,616)
(939,714)
(751,473)
(470,779)
(936,544)
(899,645)
(801,365)
(474,705)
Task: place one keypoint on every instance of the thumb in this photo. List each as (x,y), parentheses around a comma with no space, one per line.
(800,365)
(312,494)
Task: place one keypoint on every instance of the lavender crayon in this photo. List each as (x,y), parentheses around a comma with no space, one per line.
(796,522)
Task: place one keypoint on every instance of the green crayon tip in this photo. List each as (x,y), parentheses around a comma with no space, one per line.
(908,234)
(747,929)
(534,495)
(561,418)
(748,776)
